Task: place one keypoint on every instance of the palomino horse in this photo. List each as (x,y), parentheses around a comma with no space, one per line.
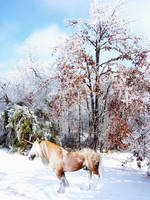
(62,161)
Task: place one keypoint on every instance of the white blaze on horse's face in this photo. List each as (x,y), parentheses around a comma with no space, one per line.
(35,150)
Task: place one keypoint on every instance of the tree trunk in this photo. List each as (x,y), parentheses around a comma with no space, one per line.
(89,118)
(80,125)
(96,106)
(69,122)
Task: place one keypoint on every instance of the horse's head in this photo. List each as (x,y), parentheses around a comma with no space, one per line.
(35,150)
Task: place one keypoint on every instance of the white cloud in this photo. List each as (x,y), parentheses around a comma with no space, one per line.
(41,41)
(140,12)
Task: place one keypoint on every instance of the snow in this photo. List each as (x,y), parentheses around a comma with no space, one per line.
(21,179)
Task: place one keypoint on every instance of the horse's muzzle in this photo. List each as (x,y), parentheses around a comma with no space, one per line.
(31,157)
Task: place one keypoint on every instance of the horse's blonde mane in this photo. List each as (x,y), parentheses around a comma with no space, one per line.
(43,156)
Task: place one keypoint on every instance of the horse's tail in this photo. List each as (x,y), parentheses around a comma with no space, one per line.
(101,171)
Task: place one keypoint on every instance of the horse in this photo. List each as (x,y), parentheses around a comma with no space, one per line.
(61,161)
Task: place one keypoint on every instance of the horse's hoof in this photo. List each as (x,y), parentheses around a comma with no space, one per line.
(61,191)
(85,187)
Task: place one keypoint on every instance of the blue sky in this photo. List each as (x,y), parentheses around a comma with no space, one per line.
(19,19)
(41,22)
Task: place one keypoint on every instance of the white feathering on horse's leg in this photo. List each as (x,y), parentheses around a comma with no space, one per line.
(61,187)
(65,181)
(96,183)
(87,185)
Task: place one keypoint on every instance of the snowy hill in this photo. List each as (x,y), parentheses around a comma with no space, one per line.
(21,179)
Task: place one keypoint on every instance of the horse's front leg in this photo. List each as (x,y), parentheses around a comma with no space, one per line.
(61,187)
(63,182)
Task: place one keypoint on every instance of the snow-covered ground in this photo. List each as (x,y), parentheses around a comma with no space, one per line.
(21,179)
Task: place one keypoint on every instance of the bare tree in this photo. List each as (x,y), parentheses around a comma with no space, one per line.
(94,55)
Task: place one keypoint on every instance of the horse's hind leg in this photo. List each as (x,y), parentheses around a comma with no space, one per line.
(87,186)
(97,183)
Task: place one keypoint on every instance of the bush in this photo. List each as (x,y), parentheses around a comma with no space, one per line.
(18,124)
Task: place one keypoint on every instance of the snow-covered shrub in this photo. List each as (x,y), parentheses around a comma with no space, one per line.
(140,147)
(139,140)
(18,124)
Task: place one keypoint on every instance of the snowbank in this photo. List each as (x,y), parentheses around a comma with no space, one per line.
(21,179)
